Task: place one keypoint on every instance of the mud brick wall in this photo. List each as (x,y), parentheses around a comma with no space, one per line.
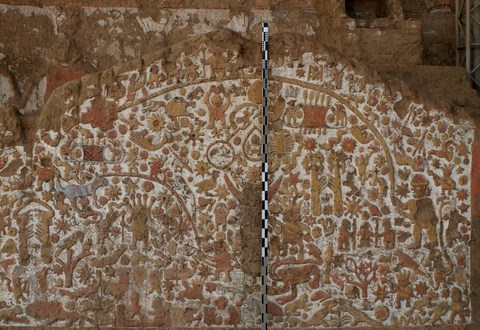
(370,201)
(438,29)
(44,44)
(138,203)
(130,165)
(141,209)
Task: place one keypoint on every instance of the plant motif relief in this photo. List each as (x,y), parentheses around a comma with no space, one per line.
(144,209)
(370,214)
(144,212)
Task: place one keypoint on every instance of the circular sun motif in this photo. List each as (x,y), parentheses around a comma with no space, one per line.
(310,144)
(155,123)
(348,145)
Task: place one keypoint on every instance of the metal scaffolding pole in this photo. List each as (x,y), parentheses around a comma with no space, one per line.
(475,44)
(467,37)
(457,32)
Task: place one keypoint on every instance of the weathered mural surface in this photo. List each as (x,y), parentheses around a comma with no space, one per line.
(370,211)
(145,213)
(144,209)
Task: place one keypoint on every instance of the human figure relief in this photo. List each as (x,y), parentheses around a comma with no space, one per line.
(217,105)
(365,233)
(156,77)
(388,235)
(455,219)
(404,290)
(344,235)
(139,219)
(290,115)
(222,260)
(45,172)
(217,62)
(339,115)
(136,82)
(457,306)
(362,162)
(294,231)
(421,212)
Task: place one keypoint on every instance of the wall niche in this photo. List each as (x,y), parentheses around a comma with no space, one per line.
(367,9)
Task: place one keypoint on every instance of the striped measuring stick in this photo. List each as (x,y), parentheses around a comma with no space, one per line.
(264,171)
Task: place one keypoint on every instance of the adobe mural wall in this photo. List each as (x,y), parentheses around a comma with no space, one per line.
(139,202)
(142,209)
(370,206)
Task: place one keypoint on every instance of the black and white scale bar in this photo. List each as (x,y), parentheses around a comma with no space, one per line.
(264,172)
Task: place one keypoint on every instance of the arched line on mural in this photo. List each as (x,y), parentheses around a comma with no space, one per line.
(237,109)
(177,196)
(241,76)
(375,132)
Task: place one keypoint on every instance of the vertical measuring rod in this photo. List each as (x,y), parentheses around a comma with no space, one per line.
(264,171)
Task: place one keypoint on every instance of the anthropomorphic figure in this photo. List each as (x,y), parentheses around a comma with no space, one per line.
(223,260)
(344,235)
(156,77)
(276,108)
(457,305)
(454,220)
(404,290)
(365,233)
(161,313)
(290,114)
(446,182)
(388,235)
(134,308)
(328,263)
(362,162)
(221,212)
(340,115)
(190,70)
(217,105)
(294,231)
(136,82)
(45,172)
(217,62)
(421,212)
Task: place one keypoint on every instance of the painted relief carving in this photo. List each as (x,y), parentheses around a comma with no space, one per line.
(144,209)
(369,210)
(145,212)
